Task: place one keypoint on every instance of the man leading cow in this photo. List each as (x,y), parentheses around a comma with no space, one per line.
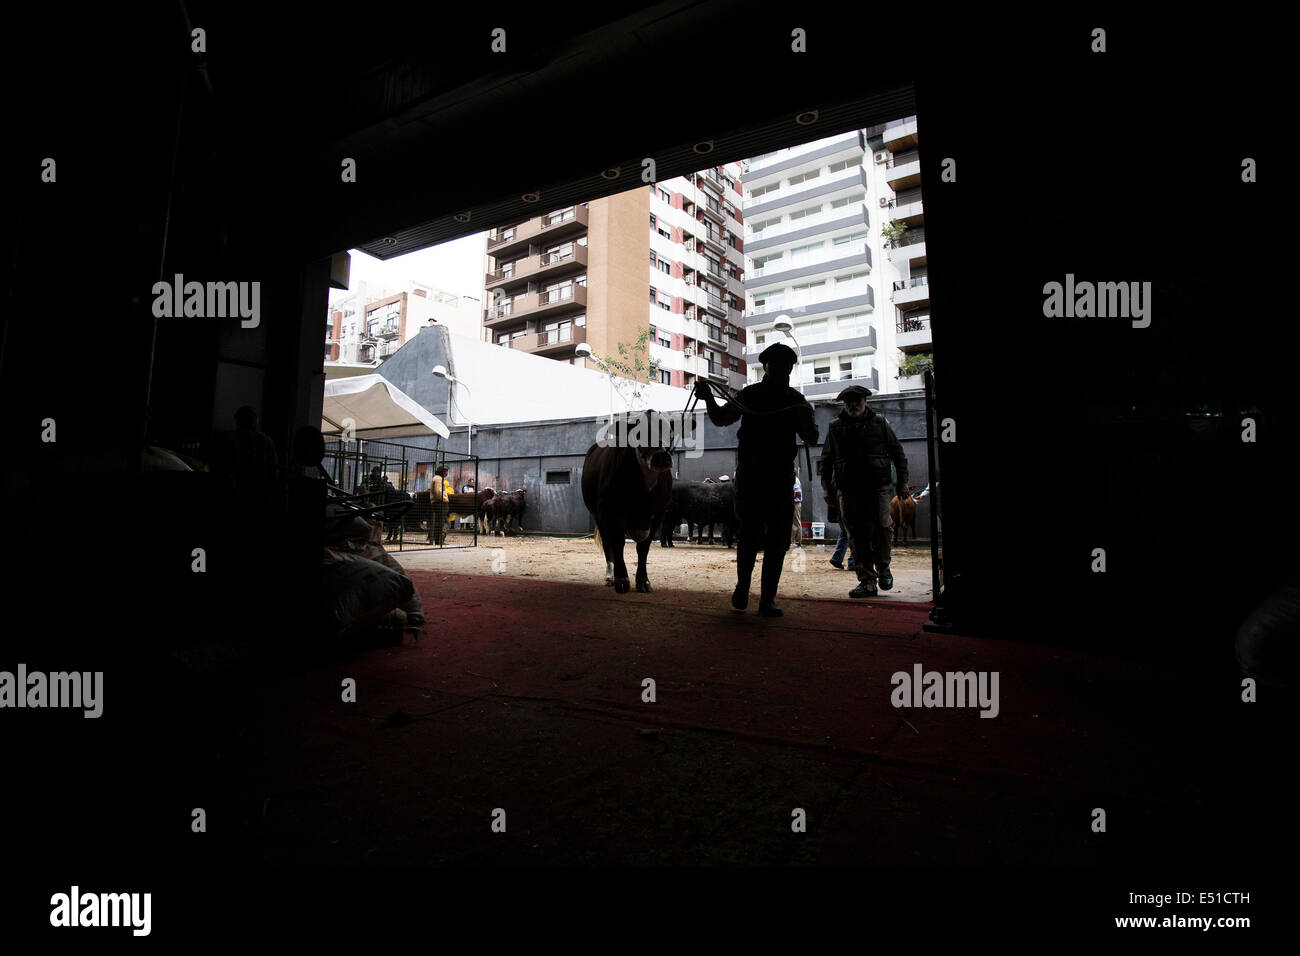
(772,415)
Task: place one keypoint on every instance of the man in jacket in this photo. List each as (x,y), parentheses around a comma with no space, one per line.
(860,446)
(439,505)
(772,415)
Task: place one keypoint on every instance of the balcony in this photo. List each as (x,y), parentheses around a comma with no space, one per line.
(789,232)
(715,305)
(536,267)
(554,342)
(827,185)
(912,332)
(387,348)
(537,305)
(900,135)
(913,291)
(783,159)
(716,242)
(903,171)
(713,209)
(711,180)
(388,332)
(788,269)
(514,242)
(808,310)
(907,208)
(833,387)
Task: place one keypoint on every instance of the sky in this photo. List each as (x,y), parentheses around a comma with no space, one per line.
(455,266)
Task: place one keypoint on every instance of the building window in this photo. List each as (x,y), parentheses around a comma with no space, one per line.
(665,342)
(652,217)
(764,190)
(804,177)
(664,195)
(808,211)
(559,477)
(665,376)
(846,240)
(665,267)
(654,297)
(664,232)
(854,324)
(848,200)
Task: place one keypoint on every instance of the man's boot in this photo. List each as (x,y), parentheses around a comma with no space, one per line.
(771,579)
(744,574)
(886,579)
(864,589)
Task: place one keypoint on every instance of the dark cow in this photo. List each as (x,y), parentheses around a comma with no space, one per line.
(700,503)
(504,509)
(626,489)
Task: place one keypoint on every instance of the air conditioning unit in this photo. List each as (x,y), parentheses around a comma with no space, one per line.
(884,202)
(690,353)
(882,157)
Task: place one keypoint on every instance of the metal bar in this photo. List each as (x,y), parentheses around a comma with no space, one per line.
(938,616)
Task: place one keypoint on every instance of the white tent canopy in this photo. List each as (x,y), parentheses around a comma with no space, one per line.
(377,409)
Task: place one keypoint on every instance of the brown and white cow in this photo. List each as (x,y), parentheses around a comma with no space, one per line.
(626,488)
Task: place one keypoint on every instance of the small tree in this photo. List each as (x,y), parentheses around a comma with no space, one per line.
(915,364)
(893,233)
(633,367)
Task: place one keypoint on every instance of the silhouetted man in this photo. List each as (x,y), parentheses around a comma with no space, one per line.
(772,415)
(251,460)
(860,445)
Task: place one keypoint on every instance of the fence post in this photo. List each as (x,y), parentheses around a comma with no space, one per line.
(938,620)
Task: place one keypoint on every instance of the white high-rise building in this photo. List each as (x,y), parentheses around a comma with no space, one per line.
(816,257)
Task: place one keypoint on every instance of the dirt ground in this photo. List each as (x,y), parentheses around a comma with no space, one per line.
(687,566)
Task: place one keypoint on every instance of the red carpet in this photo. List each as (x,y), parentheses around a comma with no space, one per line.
(527,695)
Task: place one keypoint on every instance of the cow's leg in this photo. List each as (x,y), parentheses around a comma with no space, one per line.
(612,537)
(642,551)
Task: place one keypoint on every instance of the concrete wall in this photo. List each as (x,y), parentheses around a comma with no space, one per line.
(618,249)
(520,455)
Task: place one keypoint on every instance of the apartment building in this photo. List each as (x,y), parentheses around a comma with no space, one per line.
(372,320)
(668,256)
(895,153)
(818,256)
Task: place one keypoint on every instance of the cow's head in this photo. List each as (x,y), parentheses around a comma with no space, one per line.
(652,435)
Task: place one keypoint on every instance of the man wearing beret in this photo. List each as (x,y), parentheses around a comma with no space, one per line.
(771,416)
(856,478)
